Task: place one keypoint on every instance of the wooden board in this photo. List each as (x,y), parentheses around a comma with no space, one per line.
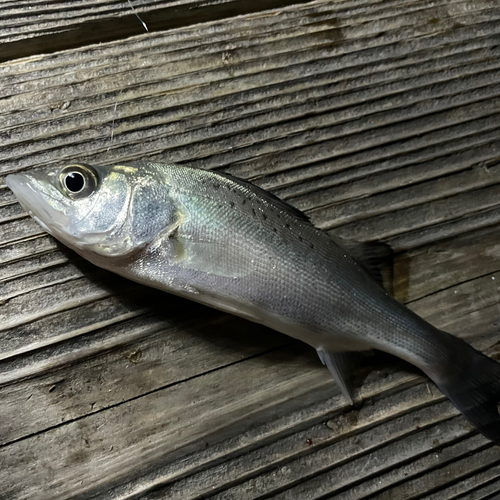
(35,27)
(380,120)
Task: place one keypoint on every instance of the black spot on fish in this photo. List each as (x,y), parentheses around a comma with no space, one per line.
(287,226)
(275,230)
(231,204)
(216,186)
(254,212)
(311,245)
(300,238)
(264,216)
(243,202)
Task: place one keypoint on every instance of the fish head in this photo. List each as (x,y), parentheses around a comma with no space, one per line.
(97,211)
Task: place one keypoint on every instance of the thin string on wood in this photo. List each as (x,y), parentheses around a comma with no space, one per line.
(112,128)
(138,16)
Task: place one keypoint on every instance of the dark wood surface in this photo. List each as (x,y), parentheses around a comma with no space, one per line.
(379,119)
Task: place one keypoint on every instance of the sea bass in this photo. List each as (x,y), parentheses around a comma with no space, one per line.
(223,242)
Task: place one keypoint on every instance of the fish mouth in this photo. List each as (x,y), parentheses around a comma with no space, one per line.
(37,201)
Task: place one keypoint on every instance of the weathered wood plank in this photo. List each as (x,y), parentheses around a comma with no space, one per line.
(460,259)
(130,370)
(15,253)
(79,446)
(418,193)
(334,481)
(438,211)
(25,266)
(314,439)
(37,27)
(42,20)
(380,119)
(479,490)
(398,483)
(314,16)
(86,126)
(281,424)
(476,460)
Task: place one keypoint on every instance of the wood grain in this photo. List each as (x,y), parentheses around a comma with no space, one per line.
(379,119)
(36,27)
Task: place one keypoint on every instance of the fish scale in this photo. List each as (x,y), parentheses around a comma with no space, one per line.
(228,244)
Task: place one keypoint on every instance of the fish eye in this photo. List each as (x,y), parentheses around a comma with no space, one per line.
(78,181)
(74,182)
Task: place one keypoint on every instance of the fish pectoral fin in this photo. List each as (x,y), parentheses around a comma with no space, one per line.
(376,257)
(342,366)
(216,258)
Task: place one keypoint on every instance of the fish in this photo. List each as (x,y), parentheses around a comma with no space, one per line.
(226,243)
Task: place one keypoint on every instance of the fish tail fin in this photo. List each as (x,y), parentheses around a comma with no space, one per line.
(472,383)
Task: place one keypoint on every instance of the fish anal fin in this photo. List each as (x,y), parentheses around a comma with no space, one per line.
(376,257)
(342,366)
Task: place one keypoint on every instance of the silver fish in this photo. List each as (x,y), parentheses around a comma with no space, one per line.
(223,242)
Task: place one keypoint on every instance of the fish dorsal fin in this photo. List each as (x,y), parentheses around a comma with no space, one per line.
(376,258)
(248,187)
(269,197)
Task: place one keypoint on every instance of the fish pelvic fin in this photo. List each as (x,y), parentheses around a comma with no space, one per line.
(376,257)
(472,383)
(341,365)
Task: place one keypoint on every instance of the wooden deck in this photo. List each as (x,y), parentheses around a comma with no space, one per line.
(379,118)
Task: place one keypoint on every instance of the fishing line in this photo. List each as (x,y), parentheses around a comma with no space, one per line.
(138,16)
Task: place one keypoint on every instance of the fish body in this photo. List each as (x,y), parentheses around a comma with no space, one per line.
(220,241)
